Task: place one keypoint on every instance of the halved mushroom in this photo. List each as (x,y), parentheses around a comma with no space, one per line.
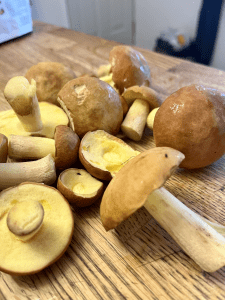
(3,148)
(64,148)
(139,183)
(79,187)
(141,100)
(29,117)
(41,213)
(103,154)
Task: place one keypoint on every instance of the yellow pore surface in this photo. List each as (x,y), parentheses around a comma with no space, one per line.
(50,241)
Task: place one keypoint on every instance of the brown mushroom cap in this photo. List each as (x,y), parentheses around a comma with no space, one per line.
(3,148)
(91,104)
(79,187)
(192,120)
(50,78)
(143,93)
(128,67)
(128,190)
(67,144)
(19,257)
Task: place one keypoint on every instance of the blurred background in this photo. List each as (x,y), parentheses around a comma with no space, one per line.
(193,30)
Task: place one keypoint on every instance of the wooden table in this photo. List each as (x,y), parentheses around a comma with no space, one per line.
(105,265)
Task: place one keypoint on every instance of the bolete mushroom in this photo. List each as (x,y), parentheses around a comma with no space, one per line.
(91,104)
(63,148)
(36,228)
(192,120)
(79,187)
(50,78)
(141,100)
(139,183)
(103,154)
(29,117)
(41,170)
(3,148)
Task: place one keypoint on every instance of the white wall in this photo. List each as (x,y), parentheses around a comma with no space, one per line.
(155,16)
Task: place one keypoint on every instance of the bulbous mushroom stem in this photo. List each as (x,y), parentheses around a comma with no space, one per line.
(25,218)
(41,170)
(201,239)
(22,97)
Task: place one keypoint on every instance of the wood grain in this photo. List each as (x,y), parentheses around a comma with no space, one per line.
(144,262)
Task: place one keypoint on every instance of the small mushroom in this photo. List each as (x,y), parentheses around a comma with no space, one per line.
(50,78)
(79,187)
(151,118)
(192,120)
(64,148)
(23,99)
(41,170)
(29,117)
(141,100)
(91,104)
(36,228)
(103,154)
(3,148)
(139,183)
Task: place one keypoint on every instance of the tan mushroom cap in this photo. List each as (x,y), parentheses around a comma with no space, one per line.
(192,120)
(128,190)
(19,257)
(67,144)
(128,67)
(3,148)
(79,187)
(91,104)
(50,77)
(143,93)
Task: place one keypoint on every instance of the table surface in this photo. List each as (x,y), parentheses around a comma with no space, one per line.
(144,263)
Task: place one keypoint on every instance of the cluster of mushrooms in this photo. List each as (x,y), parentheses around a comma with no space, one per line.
(59,121)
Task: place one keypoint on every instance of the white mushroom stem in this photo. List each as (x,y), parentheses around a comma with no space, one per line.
(22,97)
(30,147)
(42,171)
(134,123)
(201,239)
(151,118)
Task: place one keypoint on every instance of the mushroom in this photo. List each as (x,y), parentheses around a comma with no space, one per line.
(79,187)
(64,147)
(192,120)
(23,99)
(29,117)
(3,148)
(50,78)
(141,100)
(36,225)
(103,154)
(151,118)
(41,170)
(91,104)
(139,183)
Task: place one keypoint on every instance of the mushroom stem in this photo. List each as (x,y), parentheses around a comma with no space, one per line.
(151,118)
(22,97)
(135,120)
(201,239)
(42,170)
(30,147)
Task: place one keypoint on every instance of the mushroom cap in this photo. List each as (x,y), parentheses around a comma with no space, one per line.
(19,257)
(128,190)
(79,187)
(143,93)
(128,67)
(50,78)
(67,144)
(192,120)
(3,148)
(91,104)
(103,154)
